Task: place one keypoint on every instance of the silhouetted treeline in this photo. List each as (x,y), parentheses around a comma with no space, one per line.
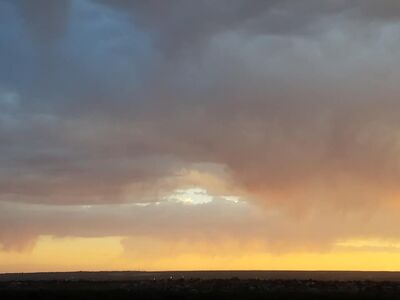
(200,289)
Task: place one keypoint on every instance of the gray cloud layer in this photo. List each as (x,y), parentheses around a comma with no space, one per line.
(112,101)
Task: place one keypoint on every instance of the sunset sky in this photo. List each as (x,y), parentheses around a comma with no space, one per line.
(186,134)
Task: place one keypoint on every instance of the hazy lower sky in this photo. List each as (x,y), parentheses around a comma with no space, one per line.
(182,134)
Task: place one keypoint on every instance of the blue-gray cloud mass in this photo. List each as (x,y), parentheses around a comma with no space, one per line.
(294,102)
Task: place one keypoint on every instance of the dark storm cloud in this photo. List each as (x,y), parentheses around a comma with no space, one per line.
(177,25)
(295,102)
(46,19)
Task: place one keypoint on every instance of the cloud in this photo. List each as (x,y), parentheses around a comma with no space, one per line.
(215,224)
(46,19)
(290,105)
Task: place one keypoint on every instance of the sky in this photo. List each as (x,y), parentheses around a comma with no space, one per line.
(183,134)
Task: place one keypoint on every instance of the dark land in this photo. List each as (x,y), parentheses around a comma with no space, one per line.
(201,285)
